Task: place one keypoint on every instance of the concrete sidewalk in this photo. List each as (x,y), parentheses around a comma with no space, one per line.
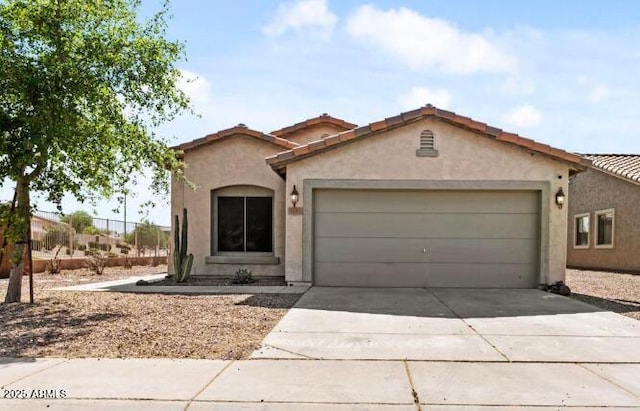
(164,384)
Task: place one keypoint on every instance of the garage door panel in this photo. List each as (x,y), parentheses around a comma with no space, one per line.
(420,225)
(405,201)
(482,275)
(377,250)
(372,274)
(472,238)
(405,250)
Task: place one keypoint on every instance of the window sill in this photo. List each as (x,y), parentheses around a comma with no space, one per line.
(426,153)
(242,259)
(603,246)
(581,247)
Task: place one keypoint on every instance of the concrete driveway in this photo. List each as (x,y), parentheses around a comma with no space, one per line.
(450,325)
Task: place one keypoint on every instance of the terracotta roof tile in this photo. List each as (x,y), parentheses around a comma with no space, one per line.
(347,135)
(429,111)
(378,125)
(626,166)
(361,131)
(239,130)
(322,119)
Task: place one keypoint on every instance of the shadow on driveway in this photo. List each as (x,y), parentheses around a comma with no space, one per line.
(445,302)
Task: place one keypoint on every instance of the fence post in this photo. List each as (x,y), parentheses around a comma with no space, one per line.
(71,250)
(135,238)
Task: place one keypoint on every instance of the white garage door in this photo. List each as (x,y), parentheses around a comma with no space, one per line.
(401,238)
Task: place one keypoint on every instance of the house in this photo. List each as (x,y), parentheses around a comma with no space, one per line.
(604,214)
(424,198)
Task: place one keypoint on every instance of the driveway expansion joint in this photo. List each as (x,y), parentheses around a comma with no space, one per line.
(208,384)
(468,325)
(65,360)
(581,365)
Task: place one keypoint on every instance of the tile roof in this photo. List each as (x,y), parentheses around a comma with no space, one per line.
(239,130)
(626,166)
(321,119)
(280,160)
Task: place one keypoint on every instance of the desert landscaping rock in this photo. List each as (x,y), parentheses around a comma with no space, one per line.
(115,325)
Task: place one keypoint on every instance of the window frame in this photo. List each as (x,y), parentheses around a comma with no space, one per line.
(596,226)
(243,192)
(576,217)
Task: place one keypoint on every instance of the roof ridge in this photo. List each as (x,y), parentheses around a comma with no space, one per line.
(240,129)
(323,118)
(280,160)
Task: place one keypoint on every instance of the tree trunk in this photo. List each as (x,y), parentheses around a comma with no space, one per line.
(23,220)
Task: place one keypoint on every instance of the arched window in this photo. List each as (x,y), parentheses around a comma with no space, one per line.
(427,147)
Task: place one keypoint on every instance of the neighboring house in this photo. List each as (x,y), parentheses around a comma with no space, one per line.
(604,212)
(424,198)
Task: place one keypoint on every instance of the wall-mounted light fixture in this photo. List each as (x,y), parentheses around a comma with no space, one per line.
(294,196)
(560,197)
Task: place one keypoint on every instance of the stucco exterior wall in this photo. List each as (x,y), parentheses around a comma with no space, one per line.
(234,161)
(592,191)
(462,156)
(313,133)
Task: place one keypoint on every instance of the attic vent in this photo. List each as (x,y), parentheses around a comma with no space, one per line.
(427,145)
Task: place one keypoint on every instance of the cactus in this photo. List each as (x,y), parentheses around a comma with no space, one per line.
(182,262)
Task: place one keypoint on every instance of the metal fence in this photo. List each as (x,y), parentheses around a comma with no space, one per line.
(73,236)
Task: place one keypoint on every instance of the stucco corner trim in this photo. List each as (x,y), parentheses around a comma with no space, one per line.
(249,260)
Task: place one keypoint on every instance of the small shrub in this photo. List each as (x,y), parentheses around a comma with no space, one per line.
(53,266)
(124,251)
(99,246)
(128,264)
(97,263)
(82,247)
(242,276)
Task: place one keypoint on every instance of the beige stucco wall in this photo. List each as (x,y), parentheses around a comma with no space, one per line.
(312,133)
(462,156)
(592,191)
(237,160)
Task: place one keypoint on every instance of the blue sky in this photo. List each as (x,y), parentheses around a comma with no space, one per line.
(561,72)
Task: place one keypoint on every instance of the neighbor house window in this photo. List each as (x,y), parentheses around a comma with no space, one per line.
(242,220)
(604,222)
(581,239)
(427,147)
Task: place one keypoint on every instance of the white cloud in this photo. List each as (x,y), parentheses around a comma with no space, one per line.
(598,94)
(424,43)
(196,87)
(524,116)
(420,96)
(303,14)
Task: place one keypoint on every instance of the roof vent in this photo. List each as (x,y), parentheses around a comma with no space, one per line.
(325,115)
(427,147)
(242,125)
(429,105)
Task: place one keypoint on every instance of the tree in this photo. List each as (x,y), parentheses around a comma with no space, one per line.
(84,84)
(79,220)
(149,235)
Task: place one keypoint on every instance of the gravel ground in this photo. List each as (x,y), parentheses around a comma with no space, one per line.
(615,292)
(112,325)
